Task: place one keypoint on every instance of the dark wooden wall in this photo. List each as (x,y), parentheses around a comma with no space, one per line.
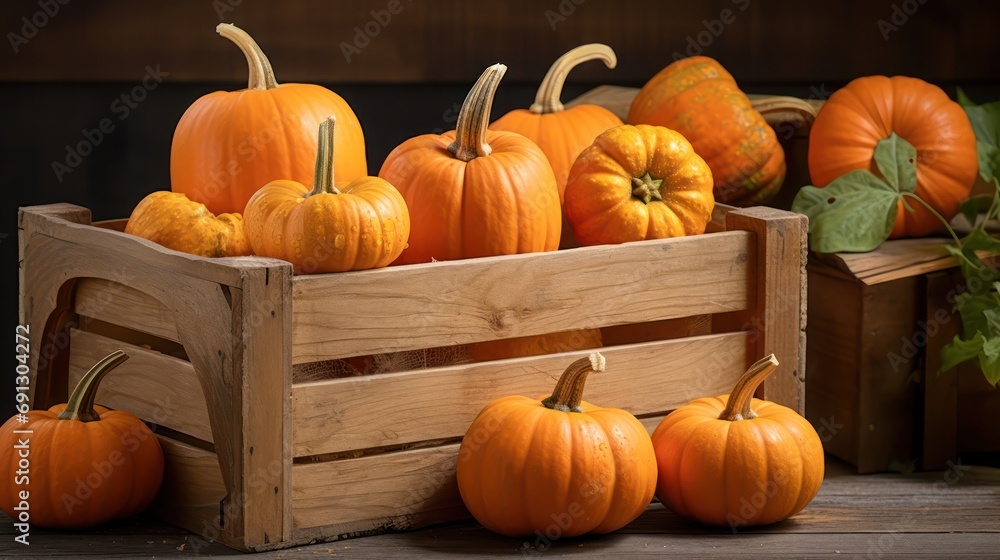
(410,77)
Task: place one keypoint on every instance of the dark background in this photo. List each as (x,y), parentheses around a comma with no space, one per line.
(411,76)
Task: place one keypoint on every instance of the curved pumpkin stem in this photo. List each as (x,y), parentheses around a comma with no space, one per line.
(738,405)
(568,393)
(261,73)
(323,177)
(779,110)
(547,98)
(474,118)
(80,405)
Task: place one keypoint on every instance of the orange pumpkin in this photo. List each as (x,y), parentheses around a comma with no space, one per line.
(527,466)
(89,465)
(735,460)
(228,144)
(562,133)
(697,97)
(552,343)
(177,223)
(638,182)
(474,192)
(870,109)
(363,224)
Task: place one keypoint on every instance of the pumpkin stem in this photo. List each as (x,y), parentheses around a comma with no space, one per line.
(80,405)
(474,118)
(568,393)
(547,98)
(261,73)
(647,188)
(738,405)
(323,177)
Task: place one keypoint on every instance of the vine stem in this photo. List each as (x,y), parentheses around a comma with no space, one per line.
(80,405)
(568,394)
(474,117)
(738,405)
(547,98)
(261,73)
(936,214)
(323,180)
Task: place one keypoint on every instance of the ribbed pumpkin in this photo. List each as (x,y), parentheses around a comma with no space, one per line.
(735,460)
(527,466)
(474,192)
(552,343)
(360,225)
(697,97)
(638,182)
(870,109)
(228,144)
(88,465)
(177,223)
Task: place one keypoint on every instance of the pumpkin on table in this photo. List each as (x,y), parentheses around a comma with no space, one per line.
(473,192)
(111,453)
(228,144)
(697,97)
(867,110)
(359,225)
(170,219)
(638,182)
(735,460)
(526,462)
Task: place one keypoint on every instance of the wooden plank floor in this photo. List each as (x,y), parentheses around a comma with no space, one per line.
(945,514)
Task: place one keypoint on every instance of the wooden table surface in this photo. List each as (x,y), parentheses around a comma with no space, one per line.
(940,514)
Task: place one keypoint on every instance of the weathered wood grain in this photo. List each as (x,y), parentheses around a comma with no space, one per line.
(122,305)
(940,388)
(397,308)
(395,408)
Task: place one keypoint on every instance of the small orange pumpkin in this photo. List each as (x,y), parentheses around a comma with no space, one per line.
(697,97)
(526,464)
(638,182)
(357,226)
(89,465)
(868,110)
(735,460)
(177,223)
(473,192)
(228,144)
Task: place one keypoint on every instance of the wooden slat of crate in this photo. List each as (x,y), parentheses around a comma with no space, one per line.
(192,489)
(397,408)
(157,388)
(381,492)
(124,306)
(398,309)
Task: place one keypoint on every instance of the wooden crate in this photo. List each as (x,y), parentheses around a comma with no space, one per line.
(259,462)
(877,323)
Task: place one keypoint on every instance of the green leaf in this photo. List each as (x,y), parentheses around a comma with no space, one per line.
(897,162)
(989,161)
(972,308)
(959,351)
(854,213)
(989,360)
(976,205)
(963,99)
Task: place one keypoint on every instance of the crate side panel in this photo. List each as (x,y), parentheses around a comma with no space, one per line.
(834,357)
(121,305)
(448,303)
(157,388)
(398,408)
(379,493)
(191,492)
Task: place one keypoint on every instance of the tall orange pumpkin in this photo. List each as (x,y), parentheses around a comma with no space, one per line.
(735,460)
(228,144)
(528,466)
(870,109)
(697,97)
(89,465)
(473,192)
